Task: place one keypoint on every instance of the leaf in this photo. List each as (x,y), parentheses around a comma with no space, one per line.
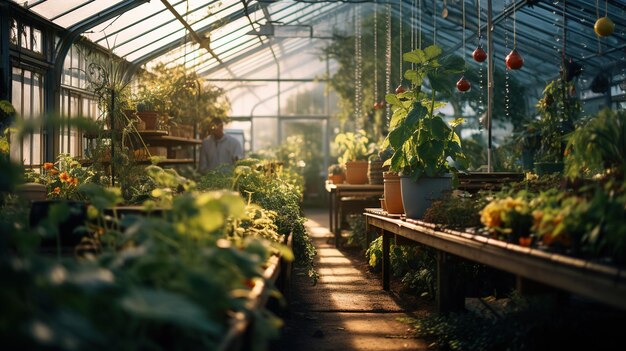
(413,76)
(393,100)
(417,112)
(415,56)
(439,83)
(453,64)
(168,307)
(432,52)
(439,129)
(397,137)
(456,122)
(397,161)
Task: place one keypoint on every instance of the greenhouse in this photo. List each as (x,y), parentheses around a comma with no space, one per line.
(312,174)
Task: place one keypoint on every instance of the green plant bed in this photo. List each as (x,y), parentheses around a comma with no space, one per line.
(278,192)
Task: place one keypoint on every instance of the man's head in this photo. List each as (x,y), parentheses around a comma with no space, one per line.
(216,128)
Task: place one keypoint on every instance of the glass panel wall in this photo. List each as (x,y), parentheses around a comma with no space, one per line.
(27,98)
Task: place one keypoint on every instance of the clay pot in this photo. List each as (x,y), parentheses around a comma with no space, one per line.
(356,172)
(393,193)
(336,178)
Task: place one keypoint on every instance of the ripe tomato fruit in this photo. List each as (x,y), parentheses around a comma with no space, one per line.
(400,89)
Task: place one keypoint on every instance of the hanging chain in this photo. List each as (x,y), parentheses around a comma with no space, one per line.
(388,60)
(358,69)
(478,7)
(434,22)
(375,53)
(514,27)
(506,71)
(463,50)
(401,40)
(419,37)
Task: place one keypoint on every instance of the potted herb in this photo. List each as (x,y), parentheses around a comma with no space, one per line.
(353,147)
(422,141)
(336,174)
(559,108)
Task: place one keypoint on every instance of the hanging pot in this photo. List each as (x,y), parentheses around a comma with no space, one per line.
(463,84)
(514,60)
(479,54)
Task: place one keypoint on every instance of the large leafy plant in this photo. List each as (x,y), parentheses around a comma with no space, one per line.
(352,146)
(422,141)
(598,146)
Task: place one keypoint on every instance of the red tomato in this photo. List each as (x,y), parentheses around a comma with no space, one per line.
(479,54)
(400,89)
(463,84)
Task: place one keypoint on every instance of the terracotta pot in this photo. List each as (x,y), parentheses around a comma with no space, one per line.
(393,194)
(356,172)
(336,178)
(150,118)
(383,205)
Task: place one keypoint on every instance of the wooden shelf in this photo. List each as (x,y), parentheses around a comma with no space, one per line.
(172,161)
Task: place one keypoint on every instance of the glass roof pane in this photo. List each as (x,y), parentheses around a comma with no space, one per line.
(66,13)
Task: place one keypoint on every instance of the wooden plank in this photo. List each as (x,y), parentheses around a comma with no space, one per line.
(599,282)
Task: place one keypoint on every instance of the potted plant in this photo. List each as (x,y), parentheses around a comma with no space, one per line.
(598,146)
(423,143)
(353,147)
(336,174)
(559,108)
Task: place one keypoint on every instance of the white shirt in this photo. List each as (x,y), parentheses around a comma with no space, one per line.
(213,152)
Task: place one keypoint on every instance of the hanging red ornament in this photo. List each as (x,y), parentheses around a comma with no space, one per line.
(381,104)
(604,27)
(463,84)
(479,54)
(514,60)
(400,89)
(376,106)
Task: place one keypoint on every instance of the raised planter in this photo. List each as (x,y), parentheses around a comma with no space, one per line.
(31,192)
(356,172)
(417,196)
(393,194)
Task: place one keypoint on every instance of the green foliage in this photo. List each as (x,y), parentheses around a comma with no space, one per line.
(159,282)
(422,141)
(358,236)
(267,188)
(352,146)
(181,95)
(456,210)
(598,145)
(536,324)
(559,109)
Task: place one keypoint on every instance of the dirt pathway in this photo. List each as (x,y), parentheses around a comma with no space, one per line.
(347,309)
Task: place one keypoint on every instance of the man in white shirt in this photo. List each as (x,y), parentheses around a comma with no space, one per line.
(218,148)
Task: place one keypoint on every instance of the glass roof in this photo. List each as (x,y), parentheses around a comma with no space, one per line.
(147,32)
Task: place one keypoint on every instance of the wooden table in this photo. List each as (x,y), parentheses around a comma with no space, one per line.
(600,282)
(338,191)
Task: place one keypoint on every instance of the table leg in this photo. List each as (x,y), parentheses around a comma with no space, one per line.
(330,212)
(449,295)
(386,258)
(337,227)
